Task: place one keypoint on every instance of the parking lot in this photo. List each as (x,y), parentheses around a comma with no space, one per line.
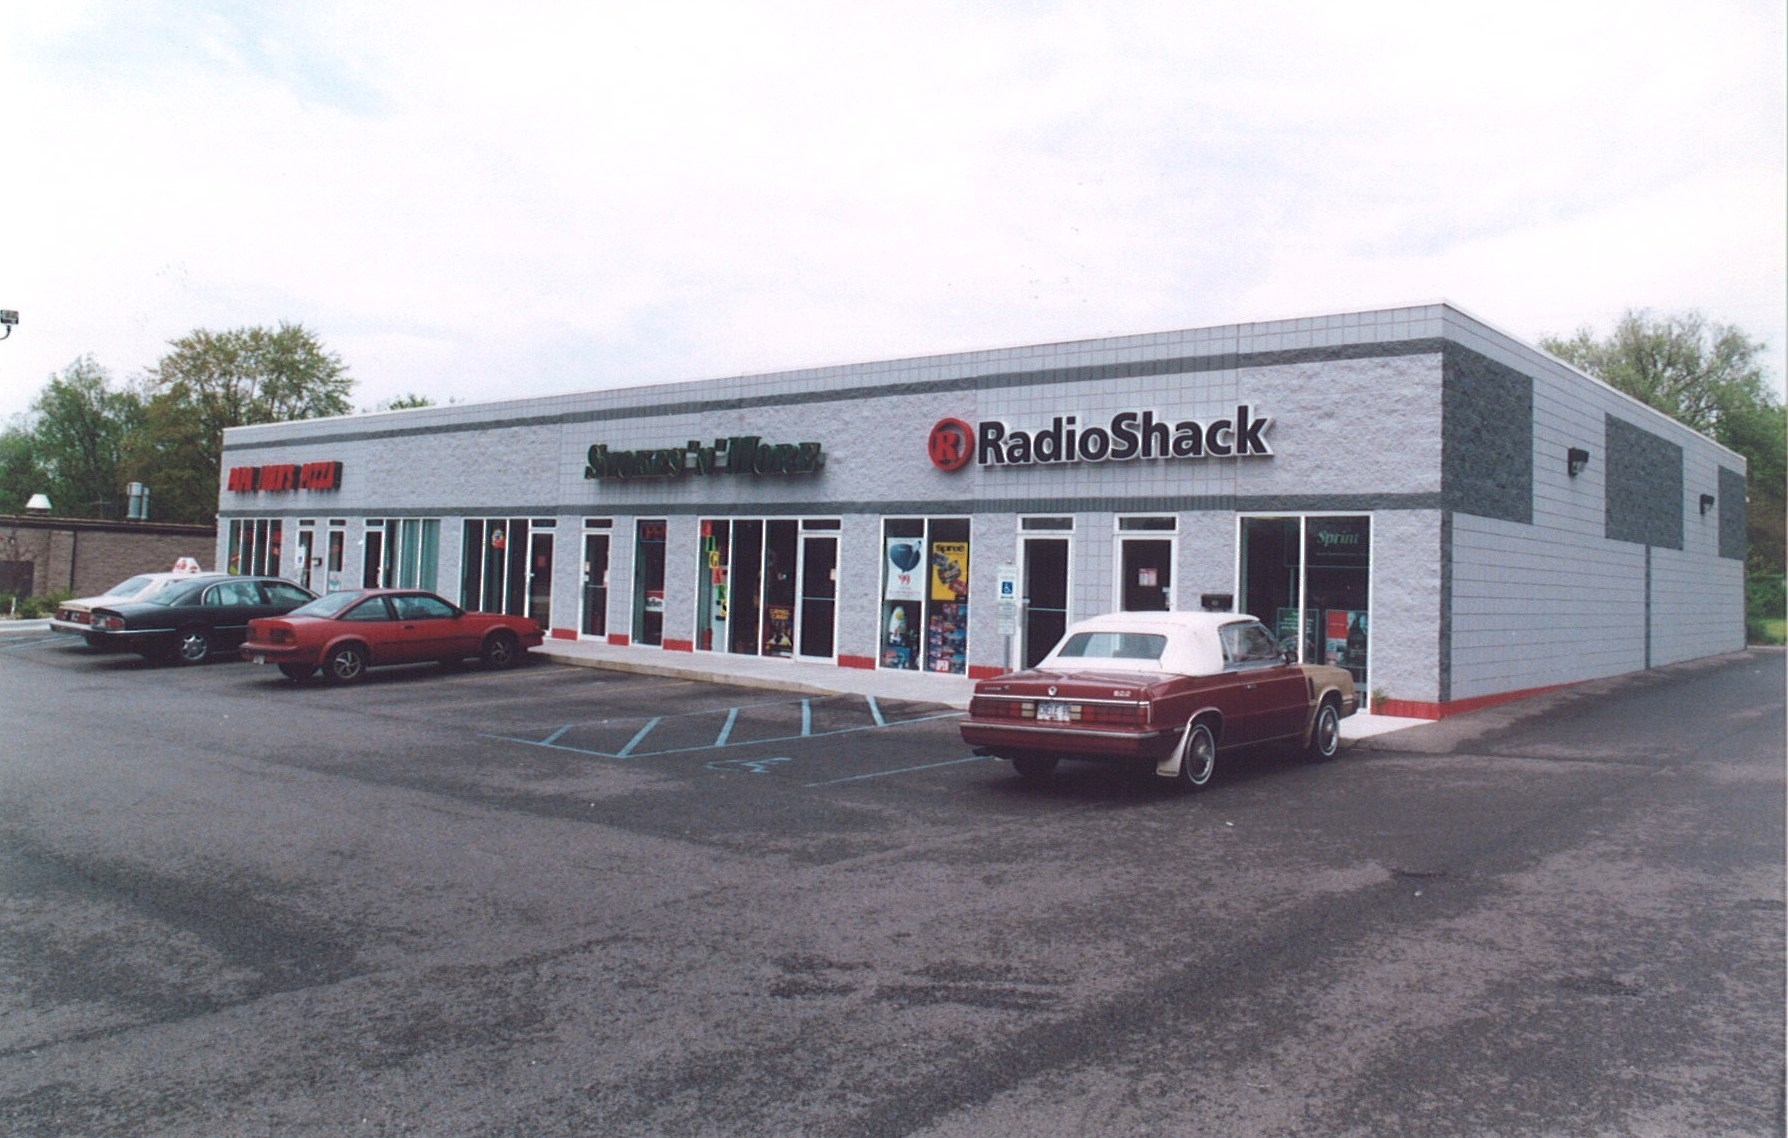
(568,901)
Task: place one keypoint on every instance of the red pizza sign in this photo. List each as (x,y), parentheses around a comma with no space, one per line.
(284,477)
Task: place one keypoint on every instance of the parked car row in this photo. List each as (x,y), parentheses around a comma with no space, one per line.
(191,618)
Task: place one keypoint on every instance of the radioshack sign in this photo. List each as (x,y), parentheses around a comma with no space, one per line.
(1125,437)
(285,476)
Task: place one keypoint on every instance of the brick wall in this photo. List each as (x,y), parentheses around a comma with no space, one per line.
(86,557)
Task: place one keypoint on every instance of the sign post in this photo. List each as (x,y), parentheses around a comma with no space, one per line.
(1008,608)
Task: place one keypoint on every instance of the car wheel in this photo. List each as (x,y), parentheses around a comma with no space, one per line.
(1199,762)
(298,672)
(501,649)
(1034,768)
(192,646)
(1325,736)
(346,664)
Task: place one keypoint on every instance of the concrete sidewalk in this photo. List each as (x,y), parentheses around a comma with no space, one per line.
(824,679)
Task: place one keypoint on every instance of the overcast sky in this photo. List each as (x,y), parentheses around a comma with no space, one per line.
(479,201)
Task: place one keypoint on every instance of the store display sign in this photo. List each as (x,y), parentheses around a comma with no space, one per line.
(741,454)
(284,477)
(949,570)
(1127,436)
(904,582)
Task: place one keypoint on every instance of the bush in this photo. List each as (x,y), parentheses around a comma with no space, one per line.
(33,608)
(1764,605)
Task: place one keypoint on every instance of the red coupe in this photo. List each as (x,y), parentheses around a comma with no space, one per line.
(347,633)
(1162,689)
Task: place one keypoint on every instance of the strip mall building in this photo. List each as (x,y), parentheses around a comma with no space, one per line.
(1454,515)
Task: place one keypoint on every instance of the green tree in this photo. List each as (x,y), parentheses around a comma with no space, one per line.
(1709,376)
(21,475)
(409,400)
(213,380)
(80,428)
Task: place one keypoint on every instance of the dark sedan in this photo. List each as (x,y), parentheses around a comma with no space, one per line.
(193,619)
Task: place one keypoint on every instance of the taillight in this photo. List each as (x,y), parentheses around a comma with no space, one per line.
(109,623)
(1113,714)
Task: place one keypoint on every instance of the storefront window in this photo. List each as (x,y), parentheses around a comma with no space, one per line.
(255,546)
(506,566)
(767,587)
(402,553)
(925,590)
(1307,578)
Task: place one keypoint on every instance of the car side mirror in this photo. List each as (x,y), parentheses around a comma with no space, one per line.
(1288,654)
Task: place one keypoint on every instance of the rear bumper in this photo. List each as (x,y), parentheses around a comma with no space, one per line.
(1009,739)
(274,654)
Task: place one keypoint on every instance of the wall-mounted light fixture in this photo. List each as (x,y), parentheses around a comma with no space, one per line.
(1575,460)
(1707,502)
(7,319)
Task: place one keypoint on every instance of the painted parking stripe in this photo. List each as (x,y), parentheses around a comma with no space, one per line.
(875,709)
(629,750)
(901,770)
(726,729)
(639,736)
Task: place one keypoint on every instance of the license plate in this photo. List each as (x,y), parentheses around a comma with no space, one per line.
(1053,711)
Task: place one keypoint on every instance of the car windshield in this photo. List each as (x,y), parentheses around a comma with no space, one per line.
(131,587)
(330,604)
(1114,646)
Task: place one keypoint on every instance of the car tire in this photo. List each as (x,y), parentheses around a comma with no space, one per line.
(1034,768)
(192,646)
(1325,733)
(1198,760)
(298,673)
(501,649)
(346,664)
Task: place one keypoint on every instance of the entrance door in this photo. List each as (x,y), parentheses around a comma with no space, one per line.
(1147,568)
(816,620)
(307,538)
(1045,596)
(596,584)
(648,583)
(540,578)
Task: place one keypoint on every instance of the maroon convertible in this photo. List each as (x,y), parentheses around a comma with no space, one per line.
(1161,689)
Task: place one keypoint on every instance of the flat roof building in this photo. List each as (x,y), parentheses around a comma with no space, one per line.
(1450,513)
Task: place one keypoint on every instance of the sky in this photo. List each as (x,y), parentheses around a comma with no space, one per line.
(474,202)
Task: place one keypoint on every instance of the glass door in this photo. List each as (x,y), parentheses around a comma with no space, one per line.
(595,584)
(648,582)
(817,618)
(1045,591)
(540,578)
(1308,579)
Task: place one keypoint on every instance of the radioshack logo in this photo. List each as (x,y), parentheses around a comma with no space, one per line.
(1127,436)
(952,444)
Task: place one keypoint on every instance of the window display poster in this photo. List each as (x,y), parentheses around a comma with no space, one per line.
(903,580)
(900,635)
(949,570)
(946,639)
(1345,635)
(1286,629)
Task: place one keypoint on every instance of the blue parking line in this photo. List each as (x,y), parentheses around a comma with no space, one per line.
(639,737)
(806,718)
(726,729)
(554,737)
(901,770)
(627,751)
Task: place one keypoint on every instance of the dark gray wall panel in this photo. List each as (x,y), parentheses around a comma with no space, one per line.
(1644,502)
(1487,445)
(1733,520)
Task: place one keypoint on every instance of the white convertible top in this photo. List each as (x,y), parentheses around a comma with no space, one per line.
(1191,648)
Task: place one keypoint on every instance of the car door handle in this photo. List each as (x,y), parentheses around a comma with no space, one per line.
(1250,687)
